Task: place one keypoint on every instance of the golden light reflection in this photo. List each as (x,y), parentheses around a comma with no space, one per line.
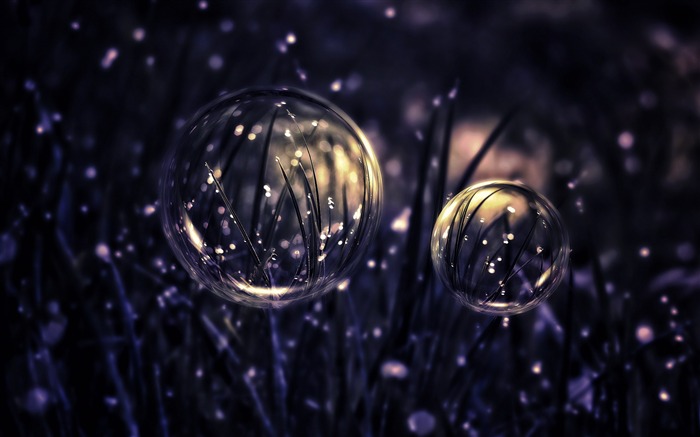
(502,161)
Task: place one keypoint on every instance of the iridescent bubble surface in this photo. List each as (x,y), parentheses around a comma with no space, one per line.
(271,196)
(500,247)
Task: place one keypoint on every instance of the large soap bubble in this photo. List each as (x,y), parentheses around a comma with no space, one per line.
(500,247)
(271,196)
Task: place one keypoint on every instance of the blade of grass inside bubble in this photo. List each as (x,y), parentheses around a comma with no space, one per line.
(312,243)
(484,230)
(490,140)
(269,233)
(300,220)
(259,187)
(510,272)
(311,162)
(254,116)
(239,225)
(459,279)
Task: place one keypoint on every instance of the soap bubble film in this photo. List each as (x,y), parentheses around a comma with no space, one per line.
(271,196)
(500,247)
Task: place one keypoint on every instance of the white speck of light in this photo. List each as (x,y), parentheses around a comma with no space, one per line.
(390,12)
(400,223)
(421,422)
(102,251)
(291,38)
(90,172)
(537,368)
(138,34)
(344,285)
(109,57)
(453,93)
(393,167)
(226,26)
(149,210)
(664,396)
(337,85)
(203,5)
(511,210)
(644,333)
(394,369)
(215,62)
(625,140)
(644,252)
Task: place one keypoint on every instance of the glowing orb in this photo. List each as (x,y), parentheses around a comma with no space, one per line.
(500,247)
(270,196)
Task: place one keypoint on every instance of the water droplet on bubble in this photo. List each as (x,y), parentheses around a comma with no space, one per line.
(300,213)
(518,228)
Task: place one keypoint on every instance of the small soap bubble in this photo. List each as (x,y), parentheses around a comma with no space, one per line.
(259,208)
(500,247)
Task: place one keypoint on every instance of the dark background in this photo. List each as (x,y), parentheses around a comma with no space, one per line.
(104,334)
